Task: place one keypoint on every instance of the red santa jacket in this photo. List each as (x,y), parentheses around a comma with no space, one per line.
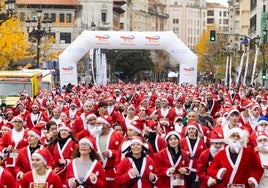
(7,180)
(112,145)
(62,153)
(29,120)
(79,123)
(7,140)
(166,115)
(95,168)
(164,162)
(125,180)
(24,161)
(193,153)
(246,166)
(52,180)
(201,167)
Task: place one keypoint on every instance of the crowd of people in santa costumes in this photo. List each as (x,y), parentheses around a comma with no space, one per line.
(150,134)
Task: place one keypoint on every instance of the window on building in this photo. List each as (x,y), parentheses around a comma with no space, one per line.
(210,20)
(224,13)
(253,4)
(65,38)
(252,24)
(104,17)
(121,25)
(176,30)
(175,21)
(62,18)
(175,2)
(225,21)
(68,18)
(220,13)
(210,13)
(46,16)
(22,17)
(53,17)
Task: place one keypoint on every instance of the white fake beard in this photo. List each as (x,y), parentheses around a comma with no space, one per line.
(260,128)
(95,130)
(263,148)
(214,150)
(178,127)
(235,145)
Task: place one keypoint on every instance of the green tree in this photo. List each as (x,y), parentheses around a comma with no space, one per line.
(133,62)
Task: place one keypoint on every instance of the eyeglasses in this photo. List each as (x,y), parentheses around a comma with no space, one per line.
(17,121)
(262,140)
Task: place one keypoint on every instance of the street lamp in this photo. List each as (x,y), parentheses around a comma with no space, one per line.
(10,6)
(40,29)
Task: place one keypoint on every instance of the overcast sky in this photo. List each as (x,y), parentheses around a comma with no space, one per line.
(223,2)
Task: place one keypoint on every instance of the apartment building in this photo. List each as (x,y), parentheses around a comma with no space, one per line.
(217,16)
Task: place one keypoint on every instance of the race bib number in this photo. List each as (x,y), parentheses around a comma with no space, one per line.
(38,185)
(236,186)
(178,180)
(13,155)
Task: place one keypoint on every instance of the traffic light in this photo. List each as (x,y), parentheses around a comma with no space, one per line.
(212,35)
(263,76)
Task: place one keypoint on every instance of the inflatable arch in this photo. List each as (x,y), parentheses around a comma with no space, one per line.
(127,40)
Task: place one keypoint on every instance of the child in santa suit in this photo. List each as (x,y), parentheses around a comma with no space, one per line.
(262,148)
(236,164)
(41,175)
(217,144)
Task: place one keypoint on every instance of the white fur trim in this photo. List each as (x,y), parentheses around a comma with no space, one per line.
(209,181)
(219,173)
(95,179)
(40,157)
(254,181)
(134,128)
(86,141)
(103,121)
(34,134)
(132,177)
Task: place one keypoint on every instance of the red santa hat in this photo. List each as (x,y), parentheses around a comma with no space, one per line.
(44,155)
(232,110)
(261,135)
(253,106)
(35,104)
(20,118)
(8,110)
(137,125)
(151,112)
(65,126)
(131,107)
(204,103)
(151,126)
(217,136)
(87,140)
(7,126)
(173,133)
(192,124)
(136,139)
(36,131)
(105,119)
(90,115)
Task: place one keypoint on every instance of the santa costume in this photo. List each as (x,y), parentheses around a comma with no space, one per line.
(236,168)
